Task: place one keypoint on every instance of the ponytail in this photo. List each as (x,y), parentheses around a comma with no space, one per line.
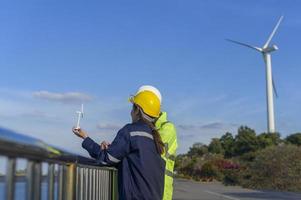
(151,123)
(157,138)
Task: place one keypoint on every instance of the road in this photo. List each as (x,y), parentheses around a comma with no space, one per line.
(189,190)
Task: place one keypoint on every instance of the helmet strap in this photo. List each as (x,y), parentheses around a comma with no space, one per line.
(145,116)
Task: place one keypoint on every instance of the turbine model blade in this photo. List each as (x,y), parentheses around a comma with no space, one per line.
(246,45)
(82,111)
(273,33)
(274,88)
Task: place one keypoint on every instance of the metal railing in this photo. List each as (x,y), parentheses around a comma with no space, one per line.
(68,176)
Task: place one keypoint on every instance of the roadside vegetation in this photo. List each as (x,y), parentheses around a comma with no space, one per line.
(259,161)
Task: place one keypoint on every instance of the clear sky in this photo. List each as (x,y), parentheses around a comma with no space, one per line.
(56,54)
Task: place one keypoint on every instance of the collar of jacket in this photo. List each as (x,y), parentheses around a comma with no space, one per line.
(162,119)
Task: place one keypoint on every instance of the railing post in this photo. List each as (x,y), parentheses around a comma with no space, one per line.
(77,183)
(86,183)
(33,184)
(37,180)
(94,184)
(97,185)
(102,188)
(90,184)
(101,185)
(60,184)
(10,178)
(114,185)
(51,181)
(70,182)
(82,181)
(29,180)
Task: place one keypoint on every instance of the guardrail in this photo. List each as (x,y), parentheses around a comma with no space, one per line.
(69,176)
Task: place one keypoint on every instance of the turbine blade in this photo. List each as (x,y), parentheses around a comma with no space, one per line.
(246,45)
(273,33)
(274,88)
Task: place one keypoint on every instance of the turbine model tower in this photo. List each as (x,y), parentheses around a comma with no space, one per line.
(266,51)
(80,114)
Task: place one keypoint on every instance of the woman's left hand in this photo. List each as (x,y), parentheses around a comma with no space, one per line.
(79,132)
(104,145)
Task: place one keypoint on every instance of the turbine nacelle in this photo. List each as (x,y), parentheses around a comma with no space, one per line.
(270,49)
(80,113)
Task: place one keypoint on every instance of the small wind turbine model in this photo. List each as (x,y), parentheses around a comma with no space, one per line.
(266,51)
(80,115)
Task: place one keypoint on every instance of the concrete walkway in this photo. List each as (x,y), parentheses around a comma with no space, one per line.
(189,190)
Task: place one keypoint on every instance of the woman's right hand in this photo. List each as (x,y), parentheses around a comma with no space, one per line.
(79,132)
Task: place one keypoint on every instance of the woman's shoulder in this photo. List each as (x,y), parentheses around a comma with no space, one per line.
(136,126)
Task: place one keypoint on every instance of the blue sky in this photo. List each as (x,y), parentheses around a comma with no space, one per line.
(56,54)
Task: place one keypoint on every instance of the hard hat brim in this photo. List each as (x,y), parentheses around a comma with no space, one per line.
(131,99)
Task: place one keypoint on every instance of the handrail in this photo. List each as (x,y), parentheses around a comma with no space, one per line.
(18,145)
(76,177)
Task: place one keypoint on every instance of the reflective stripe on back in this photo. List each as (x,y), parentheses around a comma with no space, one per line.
(143,134)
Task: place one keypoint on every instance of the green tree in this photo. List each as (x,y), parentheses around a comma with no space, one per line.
(268,139)
(245,141)
(197,149)
(179,161)
(294,139)
(215,146)
(227,142)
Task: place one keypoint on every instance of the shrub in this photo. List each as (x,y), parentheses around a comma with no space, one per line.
(188,168)
(276,167)
(232,177)
(208,171)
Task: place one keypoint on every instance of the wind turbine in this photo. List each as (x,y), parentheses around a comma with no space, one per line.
(80,114)
(266,51)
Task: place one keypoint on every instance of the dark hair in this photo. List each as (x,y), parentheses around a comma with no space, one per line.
(151,123)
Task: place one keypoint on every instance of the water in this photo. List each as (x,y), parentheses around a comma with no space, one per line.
(20,190)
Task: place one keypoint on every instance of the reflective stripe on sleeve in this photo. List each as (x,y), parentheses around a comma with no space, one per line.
(167,155)
(113,159)
(143,134)
(169,173)
(170,156)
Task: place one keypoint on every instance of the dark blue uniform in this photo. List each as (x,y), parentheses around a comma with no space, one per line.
(140,167)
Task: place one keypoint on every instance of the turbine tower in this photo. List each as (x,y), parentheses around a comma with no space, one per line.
(266,51)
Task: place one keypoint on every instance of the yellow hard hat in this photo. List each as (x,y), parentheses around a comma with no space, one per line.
(151,89)
(148,102)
